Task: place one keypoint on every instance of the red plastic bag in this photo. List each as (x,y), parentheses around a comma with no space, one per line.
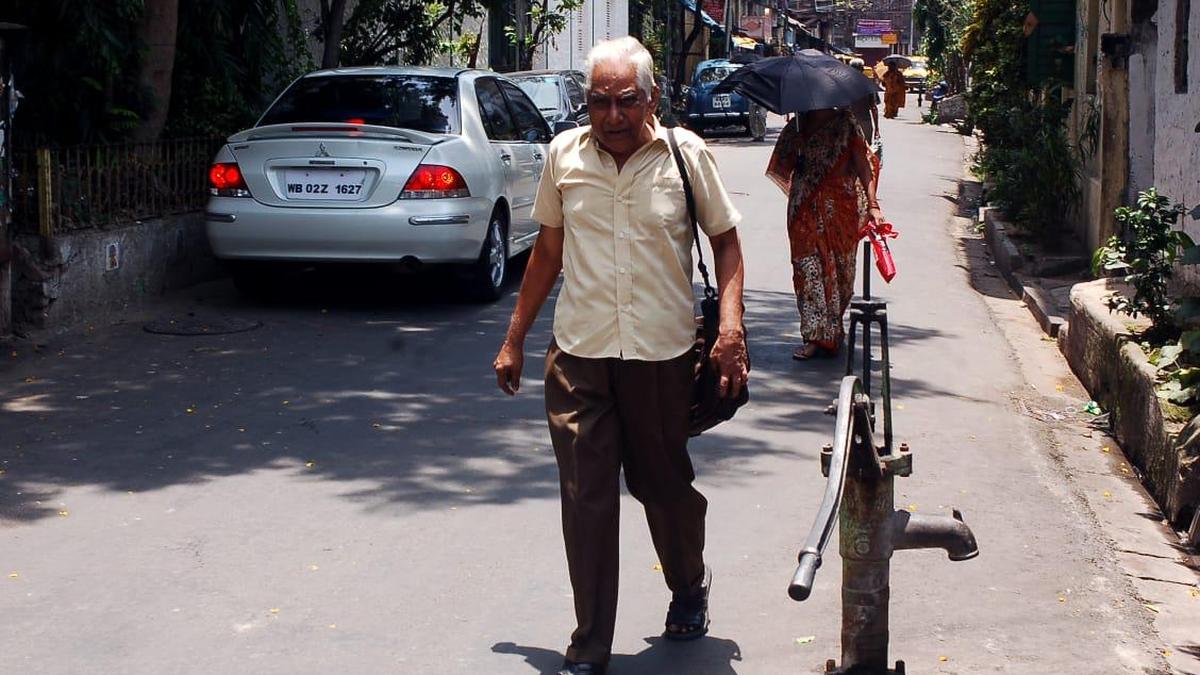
(883,255)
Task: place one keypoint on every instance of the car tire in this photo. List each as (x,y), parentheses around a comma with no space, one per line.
(487,275)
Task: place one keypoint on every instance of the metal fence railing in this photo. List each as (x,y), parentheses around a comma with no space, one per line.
(100,186)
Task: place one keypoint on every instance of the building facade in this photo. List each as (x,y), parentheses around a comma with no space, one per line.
(1137,108)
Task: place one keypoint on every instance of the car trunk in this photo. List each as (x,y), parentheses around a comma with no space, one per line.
(331,165)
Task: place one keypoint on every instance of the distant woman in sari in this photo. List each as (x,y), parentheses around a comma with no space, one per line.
(894,90)
(822,162)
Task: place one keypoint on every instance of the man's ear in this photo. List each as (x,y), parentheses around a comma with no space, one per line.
(654,96)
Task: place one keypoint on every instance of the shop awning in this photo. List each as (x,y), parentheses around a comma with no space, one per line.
(708,20)
(744,42)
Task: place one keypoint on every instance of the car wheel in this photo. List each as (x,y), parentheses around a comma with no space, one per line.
(488,273)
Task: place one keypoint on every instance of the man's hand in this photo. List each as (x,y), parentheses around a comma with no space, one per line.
(730,359)
(508,365)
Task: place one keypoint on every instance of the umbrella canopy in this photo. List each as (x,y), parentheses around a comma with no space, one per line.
(900,60)
(808,80)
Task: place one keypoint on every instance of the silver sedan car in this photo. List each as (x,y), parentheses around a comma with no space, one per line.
(402,165)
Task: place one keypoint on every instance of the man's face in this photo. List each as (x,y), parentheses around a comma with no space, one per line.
(620,112)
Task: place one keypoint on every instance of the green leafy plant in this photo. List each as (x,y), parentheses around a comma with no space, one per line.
(543,21)
(1026,152)
(1179,367)
(1146,256)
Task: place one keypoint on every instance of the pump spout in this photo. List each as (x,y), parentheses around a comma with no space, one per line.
(913,530)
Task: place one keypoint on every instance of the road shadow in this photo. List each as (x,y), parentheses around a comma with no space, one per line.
(387,390)
(707,656)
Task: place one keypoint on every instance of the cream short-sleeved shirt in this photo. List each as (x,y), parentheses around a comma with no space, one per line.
(627,249)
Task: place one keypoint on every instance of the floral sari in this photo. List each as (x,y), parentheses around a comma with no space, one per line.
(825,215)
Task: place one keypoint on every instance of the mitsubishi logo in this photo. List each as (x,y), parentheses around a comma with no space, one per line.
(321,151)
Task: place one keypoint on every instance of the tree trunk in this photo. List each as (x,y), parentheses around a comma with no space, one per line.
(333,21)
(681,66)
(157,32)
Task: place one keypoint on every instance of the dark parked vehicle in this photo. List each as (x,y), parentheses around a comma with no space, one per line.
(705,110)
(558,94)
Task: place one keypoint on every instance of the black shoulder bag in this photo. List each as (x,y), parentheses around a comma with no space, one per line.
(708,407)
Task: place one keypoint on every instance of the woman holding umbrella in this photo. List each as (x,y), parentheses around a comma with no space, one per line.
(822,162)
(894,89)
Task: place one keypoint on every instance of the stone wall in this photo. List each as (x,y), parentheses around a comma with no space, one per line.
(88,276)
(1115,371)
(1176,141)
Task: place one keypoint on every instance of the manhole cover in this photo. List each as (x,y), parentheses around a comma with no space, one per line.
(201,325)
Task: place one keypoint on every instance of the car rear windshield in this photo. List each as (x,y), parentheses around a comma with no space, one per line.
(418,102)
(543,90)
(715,74)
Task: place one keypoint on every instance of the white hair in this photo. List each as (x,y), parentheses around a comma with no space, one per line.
(624,51)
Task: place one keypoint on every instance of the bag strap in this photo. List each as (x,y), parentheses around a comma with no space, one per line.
(690,198)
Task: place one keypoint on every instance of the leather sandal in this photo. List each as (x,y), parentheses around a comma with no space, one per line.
(582,668)
(689,612)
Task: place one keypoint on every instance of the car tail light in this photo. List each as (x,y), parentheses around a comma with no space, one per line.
(432,181)
(225,180)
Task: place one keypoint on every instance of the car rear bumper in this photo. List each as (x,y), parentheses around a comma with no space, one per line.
(718,118)
(432,231)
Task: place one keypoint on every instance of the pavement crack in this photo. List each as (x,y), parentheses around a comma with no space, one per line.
(1148,555)
(1163,581)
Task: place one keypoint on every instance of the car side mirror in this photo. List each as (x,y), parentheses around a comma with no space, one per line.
(564,125)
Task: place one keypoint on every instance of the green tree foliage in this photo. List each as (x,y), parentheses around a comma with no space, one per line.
(80,75)
(79,71)
(1026,153)
(230,62)
(943,24)
(542,20)
(403,31)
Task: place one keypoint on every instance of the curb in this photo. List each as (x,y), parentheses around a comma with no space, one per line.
(1119,376)
(1009,262)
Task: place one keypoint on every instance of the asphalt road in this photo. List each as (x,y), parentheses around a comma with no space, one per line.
(344,490)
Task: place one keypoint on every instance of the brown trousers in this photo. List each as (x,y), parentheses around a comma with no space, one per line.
(606,414)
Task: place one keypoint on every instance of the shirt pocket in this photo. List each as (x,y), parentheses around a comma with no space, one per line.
(664,207)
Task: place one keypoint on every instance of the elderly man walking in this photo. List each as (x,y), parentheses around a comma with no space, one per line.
(619,370)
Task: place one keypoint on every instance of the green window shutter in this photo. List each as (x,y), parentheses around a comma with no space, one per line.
(1051,45)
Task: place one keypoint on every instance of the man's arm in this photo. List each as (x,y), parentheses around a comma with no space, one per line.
(729,353)
(541,272)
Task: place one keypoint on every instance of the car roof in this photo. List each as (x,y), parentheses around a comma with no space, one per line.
(713,63)
(536,73)
(428,71)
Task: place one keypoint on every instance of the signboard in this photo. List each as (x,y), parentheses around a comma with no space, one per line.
(890,38)
(873,26)
(715,9)
(868,41)
(756,26)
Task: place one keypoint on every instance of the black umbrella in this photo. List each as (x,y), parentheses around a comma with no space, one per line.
(808,80)
(900,60)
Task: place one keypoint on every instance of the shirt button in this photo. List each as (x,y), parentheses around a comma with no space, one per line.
(621,270)
(621,235)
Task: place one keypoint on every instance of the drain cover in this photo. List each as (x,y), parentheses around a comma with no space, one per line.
(201,325)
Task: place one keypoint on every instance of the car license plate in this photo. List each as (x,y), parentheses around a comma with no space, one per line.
(721,101)
(326,184)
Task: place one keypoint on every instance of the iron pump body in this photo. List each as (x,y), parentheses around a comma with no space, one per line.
(860,485)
